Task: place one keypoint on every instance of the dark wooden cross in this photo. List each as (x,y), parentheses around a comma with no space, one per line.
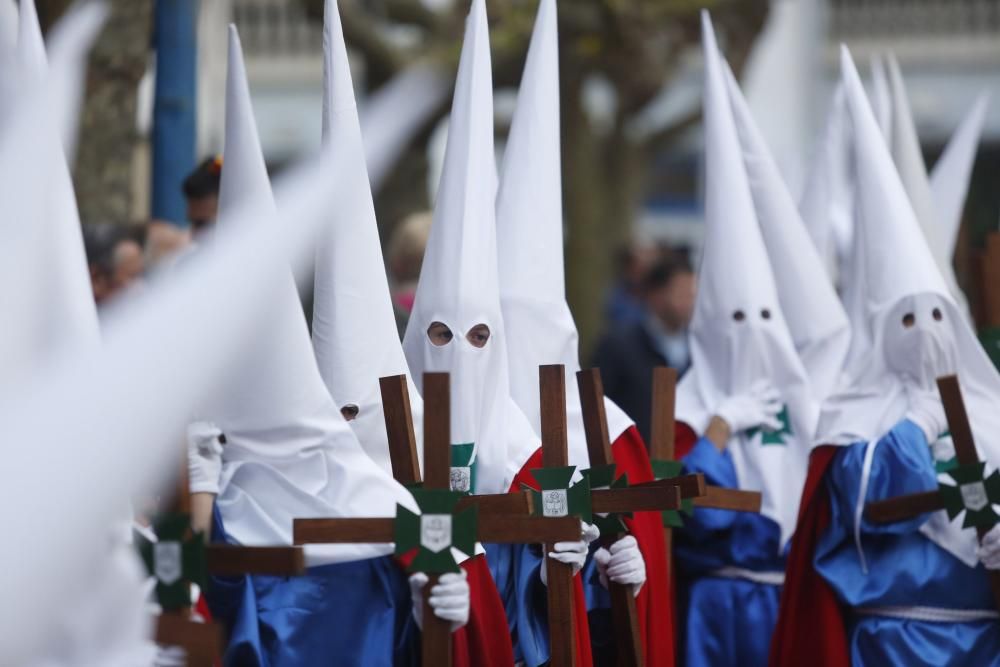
(181,556)
(618,498)
(974,493)
(491,525)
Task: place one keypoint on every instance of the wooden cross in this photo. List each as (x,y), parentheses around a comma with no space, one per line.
(491,525)
(973,494)
(661,454)
(618,499)
(202,642)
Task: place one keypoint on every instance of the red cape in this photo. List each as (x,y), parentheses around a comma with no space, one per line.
(810,629)
(485,640)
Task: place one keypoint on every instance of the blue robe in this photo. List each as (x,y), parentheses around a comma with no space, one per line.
(347,614)
(515,569)
(904,567)
(727,621)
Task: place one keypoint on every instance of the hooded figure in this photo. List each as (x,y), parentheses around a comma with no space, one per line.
(816,319)
(898,593)
(540,328)
(745,410)
(289,454)
(354,331)
(51,323)
(354,328)
(456,326)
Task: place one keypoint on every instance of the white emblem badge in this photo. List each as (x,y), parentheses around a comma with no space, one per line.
(974,496)
(435,532)
(461,479)
(555,503)
(167,562)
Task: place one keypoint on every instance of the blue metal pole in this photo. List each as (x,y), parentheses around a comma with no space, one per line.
(174,108)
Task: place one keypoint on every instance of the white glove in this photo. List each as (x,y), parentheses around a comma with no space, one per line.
(572,553)
(449,598)
(170,656)
(204,457)
(623,564)
(988,552)
(926,411)
(757,408)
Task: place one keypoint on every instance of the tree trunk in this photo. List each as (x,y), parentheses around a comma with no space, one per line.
(108,137)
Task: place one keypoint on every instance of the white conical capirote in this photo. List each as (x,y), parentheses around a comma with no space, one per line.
(907,155)
(951,173)
(354,329)
(530,242)
(289,452)
(885,211)
(458,280)
(739,335)
(815,316)
(902,278)
(50,325)
(56,317)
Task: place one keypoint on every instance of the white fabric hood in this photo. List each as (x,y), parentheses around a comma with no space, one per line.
(290,453)
(539,326)
(738,333)
(813,312)
(901,278)
(354,328)
(458,281)
(57,317)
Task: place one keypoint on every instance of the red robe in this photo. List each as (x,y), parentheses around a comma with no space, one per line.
(810,626)
(655,601)
(484,640)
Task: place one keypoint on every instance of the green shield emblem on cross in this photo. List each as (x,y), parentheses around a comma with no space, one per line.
(973,493)
(557,497)
(175,560)
(435,531)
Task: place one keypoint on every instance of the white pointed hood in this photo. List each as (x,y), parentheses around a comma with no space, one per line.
(815,316)
(57,318)
(909,160)
(539,326)
(290,453)
(354,328)
(458,281)
(902,279)
(738,334)
(178,342)
(951,173)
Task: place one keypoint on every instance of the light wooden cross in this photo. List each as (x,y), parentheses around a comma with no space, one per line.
(662,456)
(490,523)
(974,493)
(619,498)
(178,551)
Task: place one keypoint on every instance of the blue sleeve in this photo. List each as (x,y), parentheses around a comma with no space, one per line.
(718,469)
(901,465)
(515,569)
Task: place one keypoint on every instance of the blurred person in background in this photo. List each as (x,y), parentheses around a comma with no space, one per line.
(115,258)
(164,242)
(404,257)
(625,303)
(201,190)
(628,353)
